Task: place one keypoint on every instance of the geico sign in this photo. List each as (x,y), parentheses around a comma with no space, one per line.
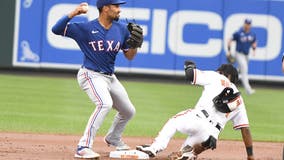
(168,30)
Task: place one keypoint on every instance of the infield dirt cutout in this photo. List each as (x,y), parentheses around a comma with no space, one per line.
(25,146)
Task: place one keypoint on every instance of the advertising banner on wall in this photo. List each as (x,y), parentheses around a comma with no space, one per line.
(174,31)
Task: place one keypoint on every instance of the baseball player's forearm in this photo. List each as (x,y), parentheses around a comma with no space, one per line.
(189,67)
(130,54)
(247,139)
(59,27)
(229,45)
(189,75)
(254,45)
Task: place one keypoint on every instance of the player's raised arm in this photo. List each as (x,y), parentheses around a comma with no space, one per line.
(196,76)
(80,9)
(61,24)
(189,68)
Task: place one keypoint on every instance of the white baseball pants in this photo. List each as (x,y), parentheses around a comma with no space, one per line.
(187,122)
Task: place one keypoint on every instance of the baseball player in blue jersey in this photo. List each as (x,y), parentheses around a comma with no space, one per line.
(245,39)
(100,40)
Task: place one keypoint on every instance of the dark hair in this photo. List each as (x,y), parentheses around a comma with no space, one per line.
(229,70)
(100,9)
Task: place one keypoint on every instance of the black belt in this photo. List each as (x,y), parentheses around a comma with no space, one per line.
(207,115)
(105,73)
(218,127)
(243,53)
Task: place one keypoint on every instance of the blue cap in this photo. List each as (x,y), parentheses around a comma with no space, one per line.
(101,3)
(248,21)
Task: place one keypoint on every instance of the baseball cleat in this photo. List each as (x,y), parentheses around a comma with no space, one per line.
(147,149)
(85,152)
(251,92)
(119,146)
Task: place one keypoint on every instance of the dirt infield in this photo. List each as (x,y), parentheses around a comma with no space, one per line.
(22,146)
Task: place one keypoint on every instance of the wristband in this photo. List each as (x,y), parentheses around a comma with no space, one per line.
(229,48)
(249,151)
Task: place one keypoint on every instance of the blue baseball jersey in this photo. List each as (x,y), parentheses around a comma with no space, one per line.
(99,45)
(244,40)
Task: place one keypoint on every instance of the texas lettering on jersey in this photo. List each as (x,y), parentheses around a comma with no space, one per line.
(99,46)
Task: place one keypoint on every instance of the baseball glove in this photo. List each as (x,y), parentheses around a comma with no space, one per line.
(230,59)
(135,39)
(227,96)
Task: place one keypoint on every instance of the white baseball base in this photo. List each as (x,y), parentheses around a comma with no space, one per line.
(129,154)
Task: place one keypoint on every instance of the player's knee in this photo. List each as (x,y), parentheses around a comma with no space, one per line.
(105,105)
(131,112)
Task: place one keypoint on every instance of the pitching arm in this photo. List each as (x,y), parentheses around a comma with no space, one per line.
(60,27)
(247,139)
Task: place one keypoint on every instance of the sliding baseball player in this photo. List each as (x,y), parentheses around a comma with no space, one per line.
(219,103)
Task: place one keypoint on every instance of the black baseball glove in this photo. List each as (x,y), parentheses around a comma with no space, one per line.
(230,59)
(135,39)
(189,67)
(222,100)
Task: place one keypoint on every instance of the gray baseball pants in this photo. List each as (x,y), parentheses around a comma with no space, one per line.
(106,92)
(243,61)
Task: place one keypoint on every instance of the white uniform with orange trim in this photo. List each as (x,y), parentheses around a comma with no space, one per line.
(214,83)
(204,120)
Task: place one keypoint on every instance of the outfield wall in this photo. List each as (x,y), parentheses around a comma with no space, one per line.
(174,31)
(7,14)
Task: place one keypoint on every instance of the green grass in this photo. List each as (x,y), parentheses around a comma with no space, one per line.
(57,105)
